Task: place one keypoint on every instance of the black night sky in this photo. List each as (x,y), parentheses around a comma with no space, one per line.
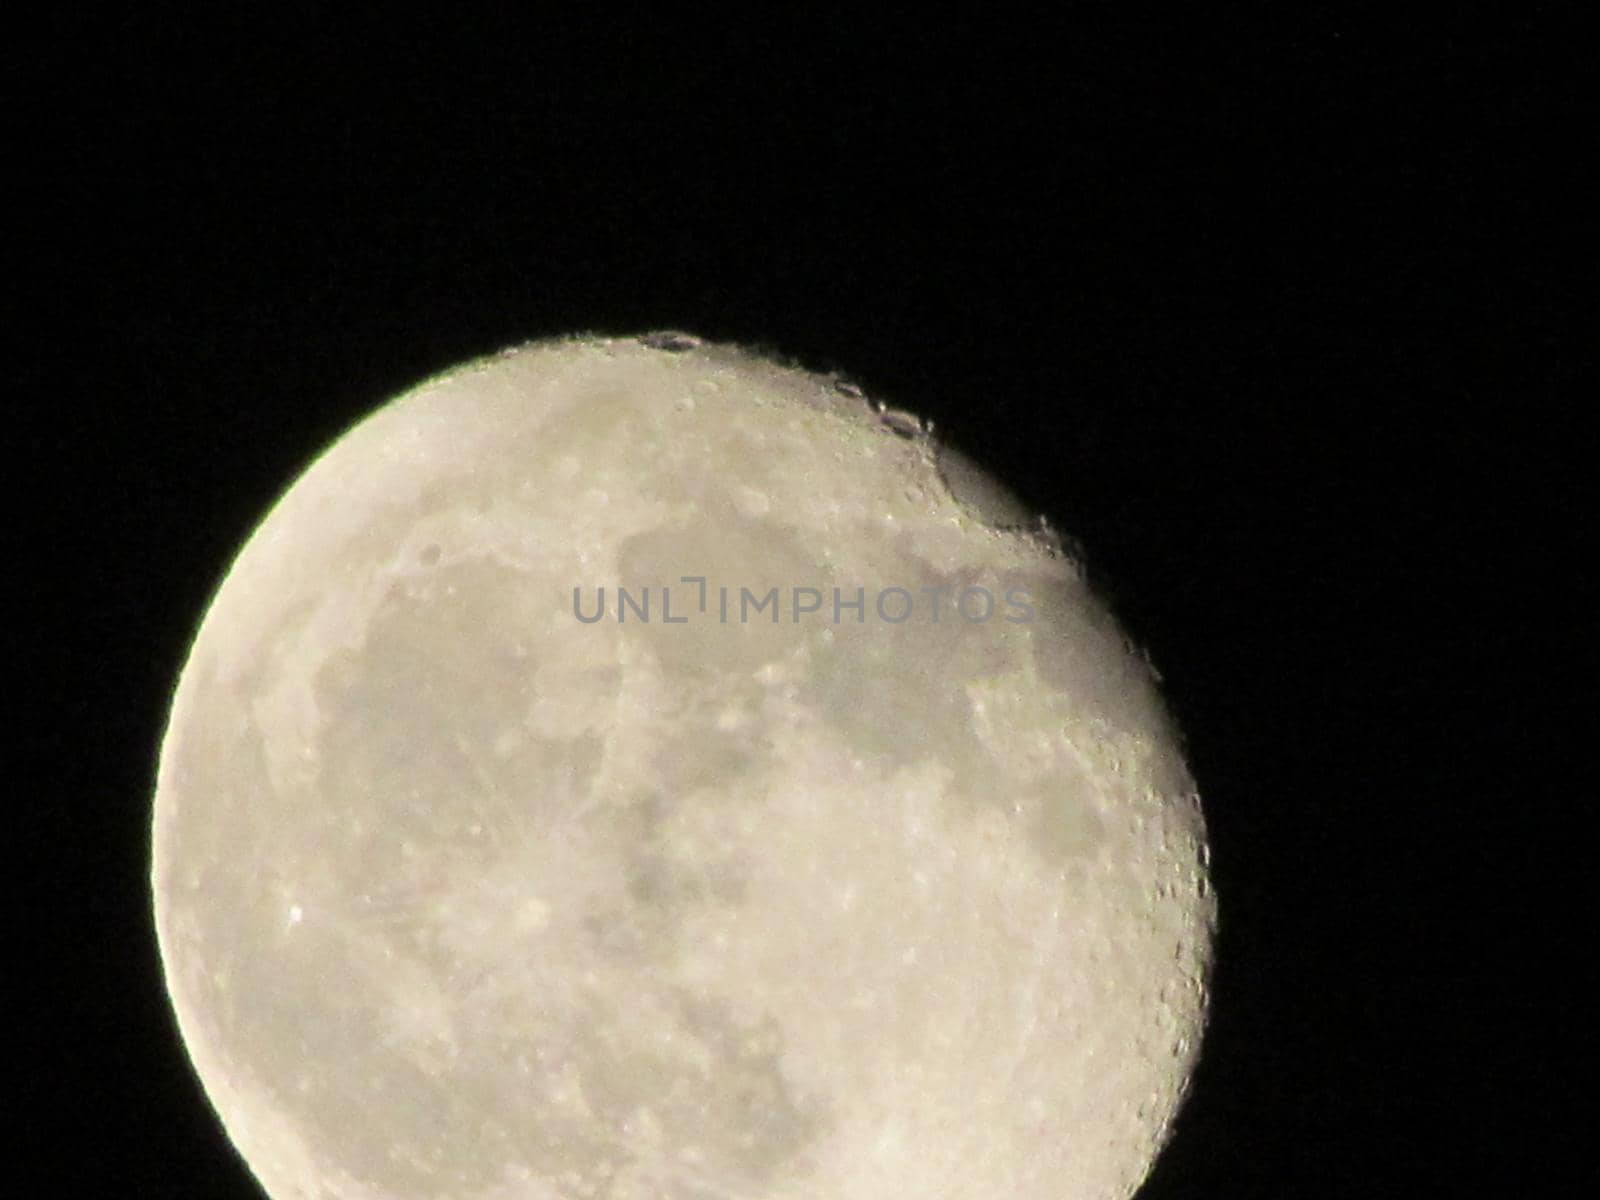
(1272,308)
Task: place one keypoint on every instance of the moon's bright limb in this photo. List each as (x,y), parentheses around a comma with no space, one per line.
(462,896)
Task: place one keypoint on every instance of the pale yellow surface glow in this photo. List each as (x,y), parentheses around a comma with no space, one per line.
(461,898)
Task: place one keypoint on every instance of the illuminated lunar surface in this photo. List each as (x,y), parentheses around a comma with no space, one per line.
(460,896)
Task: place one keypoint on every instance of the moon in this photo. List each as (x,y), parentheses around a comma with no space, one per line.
(638,769)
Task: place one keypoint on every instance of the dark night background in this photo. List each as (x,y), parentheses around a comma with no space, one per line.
(1273,309)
